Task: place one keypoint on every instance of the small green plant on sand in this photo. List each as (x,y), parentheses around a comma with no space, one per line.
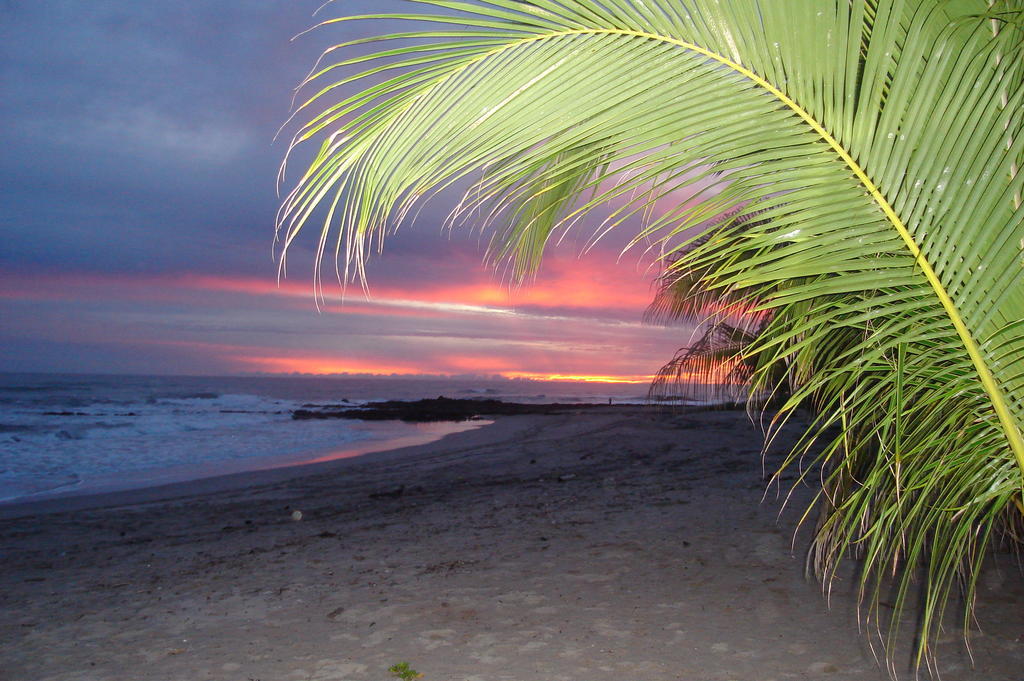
(403,671)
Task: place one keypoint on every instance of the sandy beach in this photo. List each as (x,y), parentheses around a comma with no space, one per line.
(624,544)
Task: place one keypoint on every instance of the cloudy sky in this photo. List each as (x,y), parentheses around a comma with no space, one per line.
(138,169)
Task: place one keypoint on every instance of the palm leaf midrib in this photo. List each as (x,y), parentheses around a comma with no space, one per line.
(992,389)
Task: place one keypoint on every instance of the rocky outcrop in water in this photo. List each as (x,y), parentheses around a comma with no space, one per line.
(440,409)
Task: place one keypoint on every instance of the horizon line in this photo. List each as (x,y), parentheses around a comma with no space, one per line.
(512,376)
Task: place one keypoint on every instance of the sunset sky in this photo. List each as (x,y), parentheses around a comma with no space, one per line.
(139,167)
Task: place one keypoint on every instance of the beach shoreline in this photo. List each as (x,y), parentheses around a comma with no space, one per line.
(68,435)
(626,544)
(221,476)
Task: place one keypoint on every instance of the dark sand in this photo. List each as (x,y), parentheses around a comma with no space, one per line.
(614,545)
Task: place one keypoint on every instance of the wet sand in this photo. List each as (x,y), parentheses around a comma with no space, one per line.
(613,545)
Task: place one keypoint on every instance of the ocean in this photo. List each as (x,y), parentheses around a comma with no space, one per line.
(82,434)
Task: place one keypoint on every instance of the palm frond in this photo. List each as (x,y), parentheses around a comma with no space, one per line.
(878,140)
(716,368)
(711,370)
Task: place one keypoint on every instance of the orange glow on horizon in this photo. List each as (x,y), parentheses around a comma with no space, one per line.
(317,366)
(575,323)
(325,366)
(577,378)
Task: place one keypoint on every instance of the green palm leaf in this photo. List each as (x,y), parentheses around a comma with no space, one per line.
(878,139)
(717,366)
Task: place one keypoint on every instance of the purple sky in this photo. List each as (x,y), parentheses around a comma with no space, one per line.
(138,168)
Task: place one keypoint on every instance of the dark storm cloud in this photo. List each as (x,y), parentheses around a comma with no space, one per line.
(138,136)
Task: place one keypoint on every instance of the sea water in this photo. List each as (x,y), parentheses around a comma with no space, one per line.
(63,434)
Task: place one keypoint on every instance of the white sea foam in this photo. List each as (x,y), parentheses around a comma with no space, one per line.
(58,443)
